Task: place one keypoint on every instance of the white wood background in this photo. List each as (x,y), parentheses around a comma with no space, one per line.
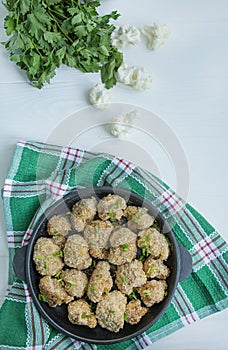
(189,93)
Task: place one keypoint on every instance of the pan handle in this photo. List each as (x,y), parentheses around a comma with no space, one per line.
(19,263)
(185,263)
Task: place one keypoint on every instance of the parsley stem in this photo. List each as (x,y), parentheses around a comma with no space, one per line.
(59,26)
(58,13)
(35,45)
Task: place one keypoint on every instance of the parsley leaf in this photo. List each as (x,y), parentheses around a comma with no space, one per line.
(24,6)
(43,34)
(9,25)
(52,37)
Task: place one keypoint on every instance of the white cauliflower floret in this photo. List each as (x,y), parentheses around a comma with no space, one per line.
(156,35)
(126,35)
(100,97)
(137,77)
(121,124)
(124,74)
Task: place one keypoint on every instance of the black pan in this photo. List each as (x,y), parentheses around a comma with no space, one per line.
(179,262)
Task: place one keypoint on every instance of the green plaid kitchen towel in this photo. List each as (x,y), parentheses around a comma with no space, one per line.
(40,174)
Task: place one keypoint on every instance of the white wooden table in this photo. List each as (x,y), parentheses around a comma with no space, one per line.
(189,94)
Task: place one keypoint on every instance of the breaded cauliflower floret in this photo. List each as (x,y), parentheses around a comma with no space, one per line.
(99,253)
(129,276)
(59,241)
(58,225)
(75,282)
(97,233)
(110,311)
(138,218)
(83,212)
(123,246)
(76,253)
(53,292)
(134,312)
(100,282)
(47,257)
(153,292)
(156,268)
(154,242)
(111,207)
(80,313)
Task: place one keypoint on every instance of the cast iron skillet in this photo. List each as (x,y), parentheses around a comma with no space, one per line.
(179,262)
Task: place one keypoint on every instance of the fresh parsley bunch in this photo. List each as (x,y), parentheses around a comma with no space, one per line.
(47,33)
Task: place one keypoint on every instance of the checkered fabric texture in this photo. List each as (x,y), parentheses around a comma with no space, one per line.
(41,174)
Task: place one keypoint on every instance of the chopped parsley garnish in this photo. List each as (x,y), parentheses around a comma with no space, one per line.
(72,285)
(40,257)
(165,293)
(84,315)
(92,287)
(119,201)
(125,316)
(155,225)
(46,265)
(125,247)
(142,258)
(150,269)
(99,275)
(57,275)
(133,296)
(123,279)
(148,236)
(111,311)
(168,241)
(142,244)
(60,254)
(111,215)
(41,297)
(106,291)
(137,220)
(56,233)
(60,280)
(92,243)
(139,217)
(146,251)
(111,207)
(147,292)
